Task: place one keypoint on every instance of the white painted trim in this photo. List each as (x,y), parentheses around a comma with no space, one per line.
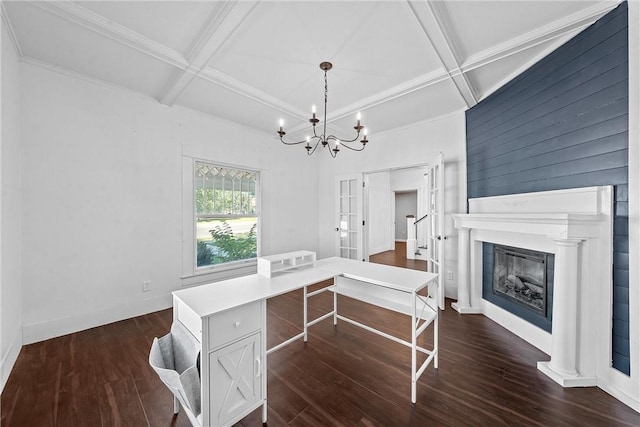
(630,394)
(447,50)
(40,331)
(222,23)
(9,358)
(619,393)
(6,22)
(92,21)
(534,335)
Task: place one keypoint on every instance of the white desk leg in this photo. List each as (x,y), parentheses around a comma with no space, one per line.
(264,412)
(335,308)
(304,297)
(435,340)
(176,405)
(413,349)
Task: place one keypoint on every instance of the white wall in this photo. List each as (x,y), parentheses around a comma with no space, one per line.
(406,204)
(10,293)
(410,146)
(102,197)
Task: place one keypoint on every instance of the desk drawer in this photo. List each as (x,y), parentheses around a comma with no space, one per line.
(234,323)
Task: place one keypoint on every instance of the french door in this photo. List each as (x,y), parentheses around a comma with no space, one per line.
(348,194)
(435,227)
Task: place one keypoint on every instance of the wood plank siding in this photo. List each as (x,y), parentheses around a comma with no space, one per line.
(563,123)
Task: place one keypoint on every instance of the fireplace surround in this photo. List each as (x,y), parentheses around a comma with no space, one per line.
(576,226)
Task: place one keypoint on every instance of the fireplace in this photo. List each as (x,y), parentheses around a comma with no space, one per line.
(519,281)
(574,228)
(521,275)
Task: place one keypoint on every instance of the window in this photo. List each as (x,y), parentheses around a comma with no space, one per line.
(226,216)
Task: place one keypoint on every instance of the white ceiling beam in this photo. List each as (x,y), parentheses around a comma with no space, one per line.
(442,38)
(86,18)
(221,24)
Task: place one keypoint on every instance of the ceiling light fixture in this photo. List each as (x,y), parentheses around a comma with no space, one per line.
(312,142)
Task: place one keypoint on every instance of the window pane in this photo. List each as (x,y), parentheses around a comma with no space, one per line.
(225,214)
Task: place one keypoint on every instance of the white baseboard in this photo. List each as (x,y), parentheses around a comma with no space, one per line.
(9,359)
(41,331)
(379,249)
(608,384)
(532,334)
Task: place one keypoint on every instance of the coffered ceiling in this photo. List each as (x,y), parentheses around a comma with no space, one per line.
(253,62)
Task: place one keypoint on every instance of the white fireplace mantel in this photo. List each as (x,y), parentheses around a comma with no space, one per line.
(552,225)
(577,226)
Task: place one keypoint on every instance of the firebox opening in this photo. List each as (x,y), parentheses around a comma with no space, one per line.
(520,274)
(519,281)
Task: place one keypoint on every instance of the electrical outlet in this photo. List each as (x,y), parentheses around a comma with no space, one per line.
(449,275)
(146,286)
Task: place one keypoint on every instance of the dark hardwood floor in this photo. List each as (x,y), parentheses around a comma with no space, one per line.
(343,376)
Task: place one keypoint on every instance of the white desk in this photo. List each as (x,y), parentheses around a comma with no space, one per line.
(228,318)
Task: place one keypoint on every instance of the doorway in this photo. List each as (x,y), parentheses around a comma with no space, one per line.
(406,204)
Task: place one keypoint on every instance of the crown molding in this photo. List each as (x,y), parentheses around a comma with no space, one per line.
(222,23)
(9,27)
(546,33)
(72,12)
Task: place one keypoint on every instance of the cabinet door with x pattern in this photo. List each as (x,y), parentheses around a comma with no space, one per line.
(235,372)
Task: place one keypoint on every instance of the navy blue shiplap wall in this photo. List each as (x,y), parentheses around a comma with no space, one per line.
(563,123)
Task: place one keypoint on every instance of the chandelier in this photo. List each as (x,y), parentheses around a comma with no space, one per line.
(332,142)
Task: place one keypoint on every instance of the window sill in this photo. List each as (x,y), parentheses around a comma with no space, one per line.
(217,274)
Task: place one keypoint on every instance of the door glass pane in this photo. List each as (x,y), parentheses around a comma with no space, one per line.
(352,222)
(344,188)
(352,239)
(344,205)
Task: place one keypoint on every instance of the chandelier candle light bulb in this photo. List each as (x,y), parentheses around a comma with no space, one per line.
(312,142)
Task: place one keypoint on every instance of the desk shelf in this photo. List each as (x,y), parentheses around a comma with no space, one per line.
(428,314)
(270,265)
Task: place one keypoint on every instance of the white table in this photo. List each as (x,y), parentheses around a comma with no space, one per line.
(228,318)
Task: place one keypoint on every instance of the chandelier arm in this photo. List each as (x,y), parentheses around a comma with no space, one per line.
(351,148)
(310,152)
(335,138)
(292,143)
